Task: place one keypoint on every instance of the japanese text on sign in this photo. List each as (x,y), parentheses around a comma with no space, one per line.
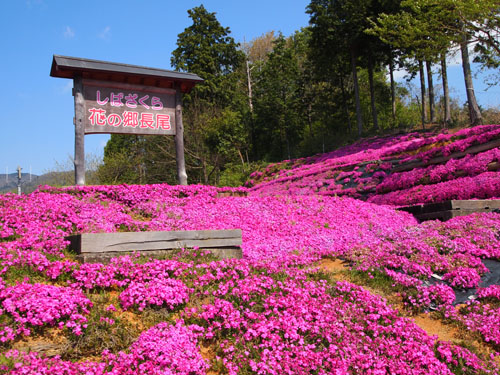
(109,110)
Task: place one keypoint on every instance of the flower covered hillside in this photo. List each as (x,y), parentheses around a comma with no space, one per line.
(277,310)
(398,170)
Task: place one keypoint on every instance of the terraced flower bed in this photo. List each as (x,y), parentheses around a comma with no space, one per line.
(274,311)
(397,170)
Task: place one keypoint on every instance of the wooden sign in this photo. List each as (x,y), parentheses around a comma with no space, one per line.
(128,109)
(125,99)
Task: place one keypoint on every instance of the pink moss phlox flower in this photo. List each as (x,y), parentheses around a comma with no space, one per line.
(162,350)
(31,305)
(161,292)
(492,291)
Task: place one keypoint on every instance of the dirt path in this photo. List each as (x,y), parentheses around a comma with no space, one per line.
(433,327)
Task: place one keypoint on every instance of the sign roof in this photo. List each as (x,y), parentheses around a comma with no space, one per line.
(69,67)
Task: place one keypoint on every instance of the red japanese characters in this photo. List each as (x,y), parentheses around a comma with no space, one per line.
(128,109)
(132,119)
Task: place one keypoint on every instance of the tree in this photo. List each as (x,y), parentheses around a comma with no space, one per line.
(331,68)
(427,27)
(416,40)
(276,102)
(480,21)
(256,53)
(487,32)
(123,161)
(339,25)
(206,48)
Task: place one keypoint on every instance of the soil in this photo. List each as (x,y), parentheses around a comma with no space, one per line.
(433,327)
(208,354)
(429,322)
(335,266)
(52,343)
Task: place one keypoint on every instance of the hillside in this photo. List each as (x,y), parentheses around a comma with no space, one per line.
(8,183)
(328,284)
(29,183)
(397,170)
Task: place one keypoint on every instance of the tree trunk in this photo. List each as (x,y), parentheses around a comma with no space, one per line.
(422,90)
(344,104)
(288,147)
(205,172)
(249,80)
(179,139)
(309,119)
(250,105)
(79,131)
(372,93)
(432,110)
(393,90)
(446,91)
(241,157)
(359,117)
(474,112)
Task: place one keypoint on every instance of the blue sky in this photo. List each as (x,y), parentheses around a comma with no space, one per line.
(36,120)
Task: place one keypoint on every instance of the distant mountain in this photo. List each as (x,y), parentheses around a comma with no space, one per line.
(8,183)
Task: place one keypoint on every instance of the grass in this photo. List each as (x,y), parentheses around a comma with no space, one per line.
(100,334)
(17,274)
(375,280)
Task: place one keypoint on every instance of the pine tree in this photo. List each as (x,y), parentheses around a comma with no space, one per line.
(207,49)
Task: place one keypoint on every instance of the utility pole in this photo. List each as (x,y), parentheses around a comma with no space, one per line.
(19,180)
(6,174)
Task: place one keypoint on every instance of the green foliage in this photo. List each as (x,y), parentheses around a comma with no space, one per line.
(383,102)
(374,279)
(194,256)
(236,174)
(281,97)
(321,276)
(206,48)
(278,129)
(7,362)
(17,274)
(227,135)
(121,166)
(215,133)
(414,29)
(12,237)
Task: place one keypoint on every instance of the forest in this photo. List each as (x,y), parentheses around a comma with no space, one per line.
(280,97)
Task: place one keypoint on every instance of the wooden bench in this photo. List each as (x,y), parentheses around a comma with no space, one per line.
(100,247)
(446,210)
(222,194)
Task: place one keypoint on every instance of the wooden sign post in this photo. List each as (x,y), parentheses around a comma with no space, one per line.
(79,131)
(125,99)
